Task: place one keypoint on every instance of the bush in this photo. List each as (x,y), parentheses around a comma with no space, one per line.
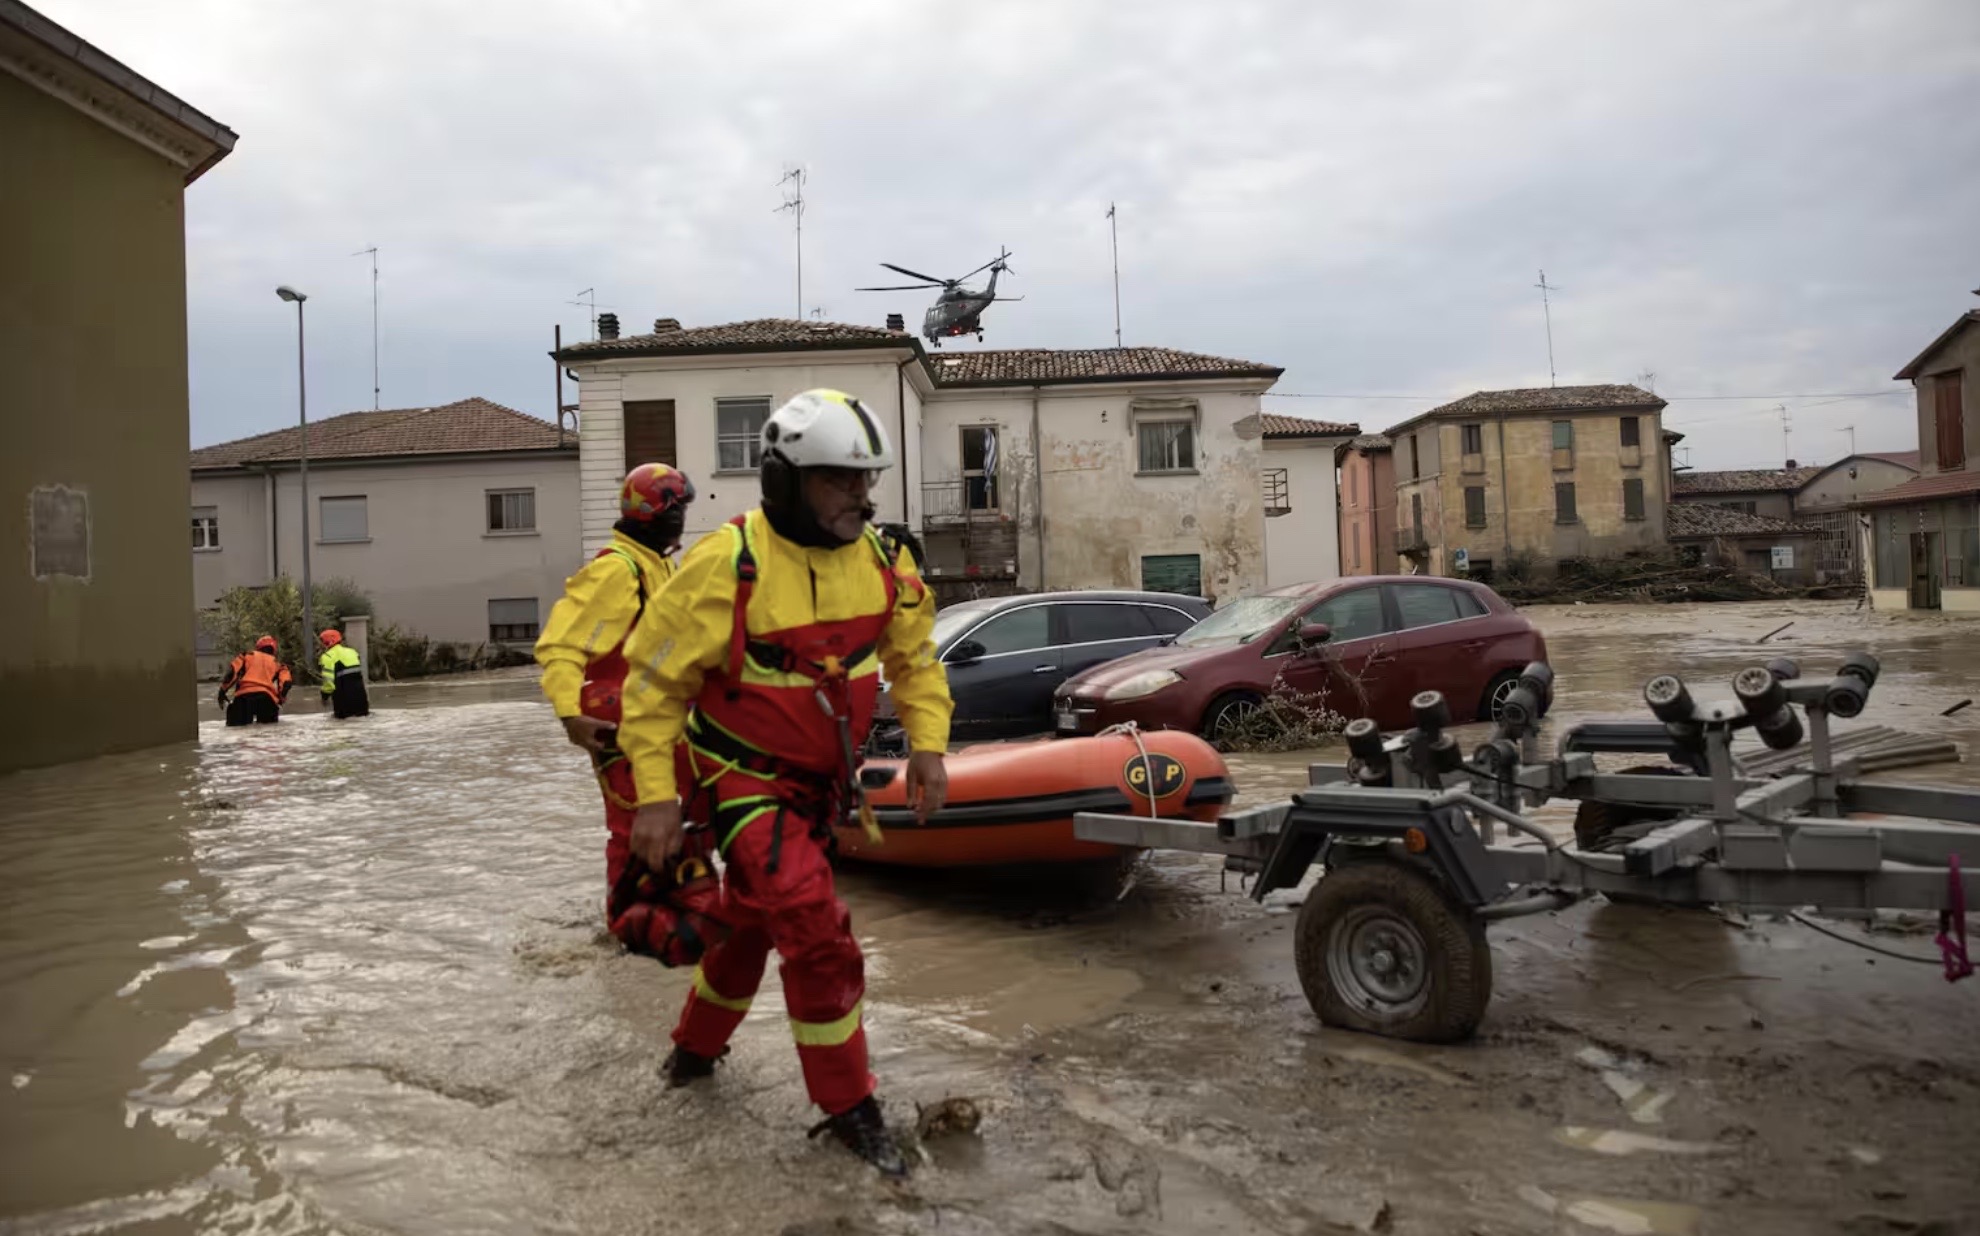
(399,653)
(246,614)
(1290,720)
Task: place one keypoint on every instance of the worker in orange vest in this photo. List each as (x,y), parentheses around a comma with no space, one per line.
(753,679)
(259,683)
(581,645)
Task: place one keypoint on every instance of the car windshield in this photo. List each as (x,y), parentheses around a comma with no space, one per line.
(952,622)
(1240,622)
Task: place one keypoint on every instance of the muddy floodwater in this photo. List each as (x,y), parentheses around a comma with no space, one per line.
(349,977)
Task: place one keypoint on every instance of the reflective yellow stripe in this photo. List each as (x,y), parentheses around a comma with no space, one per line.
(826,1033)
(704,992)
(757,676)
(745,822)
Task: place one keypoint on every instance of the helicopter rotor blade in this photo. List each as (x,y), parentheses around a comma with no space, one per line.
(986,266)
(915,274)
(908,287)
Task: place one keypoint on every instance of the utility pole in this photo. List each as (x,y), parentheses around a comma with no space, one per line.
(1851,431)
(1114,231)
(794,202)
(1787,430)
(373,251)
(1547,311)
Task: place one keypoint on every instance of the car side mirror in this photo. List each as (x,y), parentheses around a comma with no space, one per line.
(965,653)
(1314,634)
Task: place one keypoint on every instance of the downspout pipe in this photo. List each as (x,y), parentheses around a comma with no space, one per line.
(268,489)
(900,405)
(1038,482)
(1505,495)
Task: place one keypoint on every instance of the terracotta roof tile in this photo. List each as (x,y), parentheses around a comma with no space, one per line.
(992,367)
(1926,489)
(1549,399)
(471,426)
(1024,366)
(1289,428)
(1698,519)
(760,334)
(1752,481)
(1903,459)
(1373,442)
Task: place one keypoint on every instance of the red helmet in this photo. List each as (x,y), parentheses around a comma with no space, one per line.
(651,490)
(331,638)
(266,644)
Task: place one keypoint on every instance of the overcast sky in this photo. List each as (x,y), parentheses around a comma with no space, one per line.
(1745,197)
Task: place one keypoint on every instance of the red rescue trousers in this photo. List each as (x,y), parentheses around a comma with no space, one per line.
(615,776)
(779,895)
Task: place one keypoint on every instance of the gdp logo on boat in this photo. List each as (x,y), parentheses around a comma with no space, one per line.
(1154,775)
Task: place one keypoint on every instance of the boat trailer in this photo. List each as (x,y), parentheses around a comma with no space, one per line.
(1391,937)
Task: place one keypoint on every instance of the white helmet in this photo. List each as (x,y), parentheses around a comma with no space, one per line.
(827,429)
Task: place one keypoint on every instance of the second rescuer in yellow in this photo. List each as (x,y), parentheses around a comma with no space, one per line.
(751,682)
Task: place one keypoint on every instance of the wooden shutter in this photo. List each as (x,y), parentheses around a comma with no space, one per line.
(1951,421)
(650,433)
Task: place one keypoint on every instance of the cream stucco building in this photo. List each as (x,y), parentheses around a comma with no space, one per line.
(1036,468)
(459,521)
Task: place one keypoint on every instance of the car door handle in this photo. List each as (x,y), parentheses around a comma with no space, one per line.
(1044,669)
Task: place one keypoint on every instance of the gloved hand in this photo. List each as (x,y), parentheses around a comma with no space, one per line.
(221,699)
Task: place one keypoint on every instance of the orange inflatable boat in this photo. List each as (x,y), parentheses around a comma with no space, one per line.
(1013,802)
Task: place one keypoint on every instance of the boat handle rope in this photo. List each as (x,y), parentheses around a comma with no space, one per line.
(1132,730)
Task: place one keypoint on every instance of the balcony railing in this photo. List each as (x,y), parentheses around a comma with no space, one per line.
(1410,540)
(1278,500)
(960,501)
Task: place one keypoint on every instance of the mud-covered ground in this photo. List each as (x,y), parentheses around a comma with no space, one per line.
(348,978)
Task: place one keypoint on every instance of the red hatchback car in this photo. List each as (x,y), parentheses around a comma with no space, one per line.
(1368,643)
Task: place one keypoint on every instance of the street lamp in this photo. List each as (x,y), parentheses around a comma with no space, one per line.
(302,423)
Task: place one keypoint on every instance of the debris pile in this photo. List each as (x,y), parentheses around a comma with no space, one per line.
(1658,580)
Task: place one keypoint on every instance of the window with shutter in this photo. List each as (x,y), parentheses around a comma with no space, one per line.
(1631,431)
(1564,503)
(342,519)
(512,510)
(1947,392)
(511,619)
(739,433)
(1633,498)
(1167,446)
(1178,573)
(649,433)
(1474,506)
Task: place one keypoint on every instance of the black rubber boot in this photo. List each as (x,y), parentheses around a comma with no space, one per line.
(683,1066)
(863,1132)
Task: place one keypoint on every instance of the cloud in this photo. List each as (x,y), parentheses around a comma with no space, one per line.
(1745,197)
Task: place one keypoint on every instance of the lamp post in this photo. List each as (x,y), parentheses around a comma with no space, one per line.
(302,425)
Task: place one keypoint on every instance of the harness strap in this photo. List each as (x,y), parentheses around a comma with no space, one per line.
(639,577)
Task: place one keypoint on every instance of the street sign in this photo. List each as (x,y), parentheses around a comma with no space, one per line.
(1784,557)
(1461,561)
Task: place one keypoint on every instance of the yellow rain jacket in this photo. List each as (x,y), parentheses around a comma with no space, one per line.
(591,621)
(805,605)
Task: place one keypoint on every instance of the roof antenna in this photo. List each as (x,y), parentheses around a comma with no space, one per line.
(589,299)
(1548,312)
(794,202)
(1787,430)
(373,251)
(1114,232)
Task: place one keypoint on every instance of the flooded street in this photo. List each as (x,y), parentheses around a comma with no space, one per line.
(350,977)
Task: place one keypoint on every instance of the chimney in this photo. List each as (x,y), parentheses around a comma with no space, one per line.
(896,322)
(608,326)
(665,326)
(1791,465)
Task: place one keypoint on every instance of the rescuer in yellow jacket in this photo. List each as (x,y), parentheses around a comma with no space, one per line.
(581,646)
(753,677)
(343,677)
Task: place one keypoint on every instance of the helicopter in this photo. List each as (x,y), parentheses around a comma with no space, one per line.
(958,310)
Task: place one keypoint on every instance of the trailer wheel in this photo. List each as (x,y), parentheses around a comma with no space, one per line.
(1381,948)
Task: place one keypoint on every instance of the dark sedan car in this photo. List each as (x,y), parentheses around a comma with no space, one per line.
(1360,646)
(1007,655)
